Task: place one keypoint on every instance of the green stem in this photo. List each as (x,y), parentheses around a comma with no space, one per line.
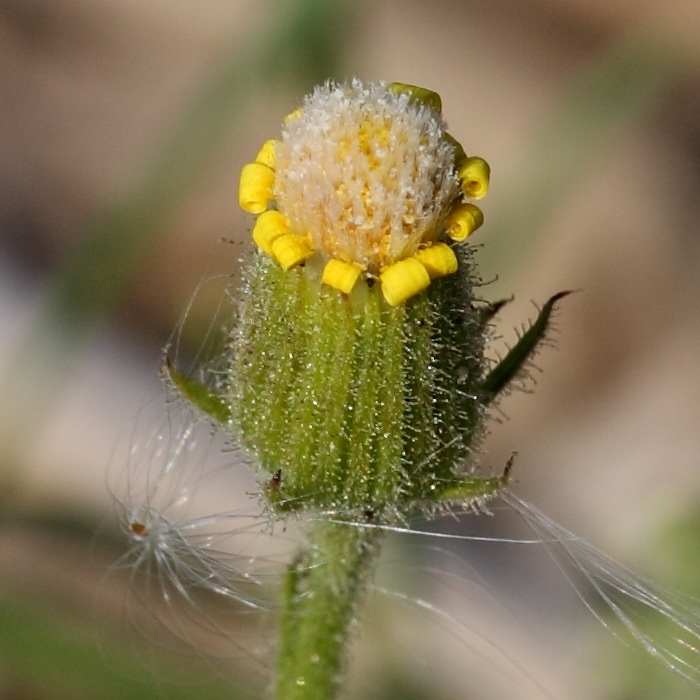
(322,590)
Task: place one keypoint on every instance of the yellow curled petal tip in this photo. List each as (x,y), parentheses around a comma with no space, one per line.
(419,94)
(402,280)
(474,173)
(271,224)
(438,259)
(293,115)
(463,220)
(290,250)
(341,275)
(268,153)
(255,187)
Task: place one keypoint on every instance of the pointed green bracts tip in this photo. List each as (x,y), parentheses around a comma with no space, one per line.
(512,365)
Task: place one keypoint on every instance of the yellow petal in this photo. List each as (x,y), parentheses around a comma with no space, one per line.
(474,172)
(255,187)
(293,115)
(438,259)
(463,220)
(290,250)
(267,154)
(341,275)
(271,224)
(402,280)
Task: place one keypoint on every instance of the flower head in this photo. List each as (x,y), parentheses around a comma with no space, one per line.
(356,361)
(365,180)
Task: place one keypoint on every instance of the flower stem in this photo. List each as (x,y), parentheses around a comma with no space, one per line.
(322,589)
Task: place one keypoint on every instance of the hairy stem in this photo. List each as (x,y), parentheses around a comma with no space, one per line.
(322,590)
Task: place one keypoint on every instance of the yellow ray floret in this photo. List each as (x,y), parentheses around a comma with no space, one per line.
(341,275)
(463,220)
(271,224)
(402,280)
(255,187)
(290,250)
(293,115)
(267,154)
(474,173)
(438,260)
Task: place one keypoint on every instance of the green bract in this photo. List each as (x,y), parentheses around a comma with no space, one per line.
(353,404)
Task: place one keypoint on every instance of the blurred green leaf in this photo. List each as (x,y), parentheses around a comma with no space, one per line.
(53,656)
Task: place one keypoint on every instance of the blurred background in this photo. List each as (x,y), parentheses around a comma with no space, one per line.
(123,127)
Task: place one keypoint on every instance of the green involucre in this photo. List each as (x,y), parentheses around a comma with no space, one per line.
(351,403)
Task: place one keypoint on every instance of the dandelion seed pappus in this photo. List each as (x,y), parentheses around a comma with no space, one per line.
(202,560)
(440,573)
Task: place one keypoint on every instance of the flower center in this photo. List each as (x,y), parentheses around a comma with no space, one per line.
(367,178)
(366,173)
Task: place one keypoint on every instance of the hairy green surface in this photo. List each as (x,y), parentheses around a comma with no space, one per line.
(511,368)
(323,587)
(46,654)
(353,404)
